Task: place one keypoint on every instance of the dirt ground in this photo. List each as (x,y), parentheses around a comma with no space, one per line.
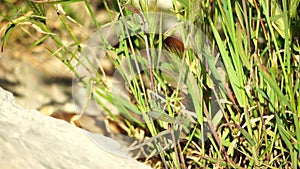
(37,79)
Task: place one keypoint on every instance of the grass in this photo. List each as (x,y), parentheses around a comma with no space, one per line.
(191,114)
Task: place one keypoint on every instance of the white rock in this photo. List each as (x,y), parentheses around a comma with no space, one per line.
(29,140)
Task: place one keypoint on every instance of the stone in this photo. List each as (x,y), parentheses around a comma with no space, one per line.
(29,139)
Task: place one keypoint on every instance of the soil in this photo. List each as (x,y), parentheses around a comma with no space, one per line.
(37,79)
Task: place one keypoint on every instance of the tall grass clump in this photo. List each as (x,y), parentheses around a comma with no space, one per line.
(243,114)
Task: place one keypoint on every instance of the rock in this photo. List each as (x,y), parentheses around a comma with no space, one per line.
(29,139)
